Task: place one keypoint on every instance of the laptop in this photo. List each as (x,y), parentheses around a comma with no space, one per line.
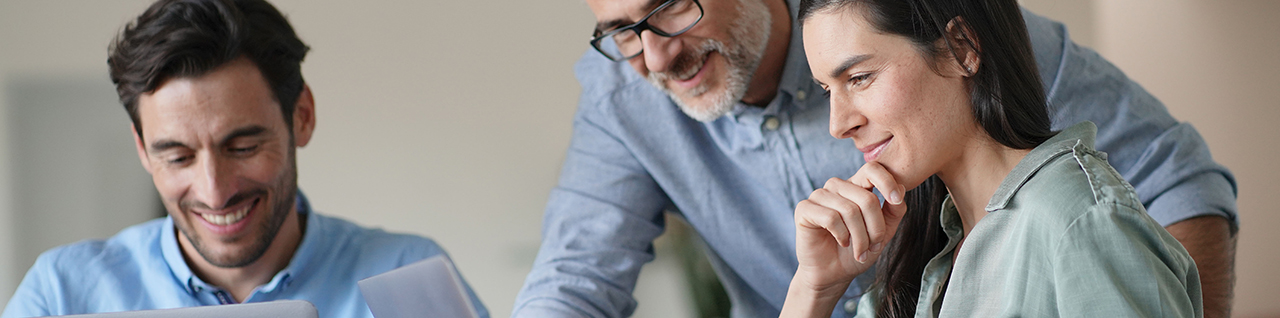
(428,288)
(282,308)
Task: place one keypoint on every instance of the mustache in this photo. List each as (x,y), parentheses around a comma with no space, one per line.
(232,201)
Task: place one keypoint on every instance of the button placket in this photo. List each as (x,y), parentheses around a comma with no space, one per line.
(772,123)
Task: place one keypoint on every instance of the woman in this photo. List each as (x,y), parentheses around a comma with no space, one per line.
(1006,218)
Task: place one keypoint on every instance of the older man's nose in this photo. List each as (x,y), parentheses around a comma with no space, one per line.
(659,51)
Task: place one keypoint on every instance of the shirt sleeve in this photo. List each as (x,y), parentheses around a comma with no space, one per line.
(598,230)
(1114,261)
(30,298)
(1167,161)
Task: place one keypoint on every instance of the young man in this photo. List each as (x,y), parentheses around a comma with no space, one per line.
(219,106)
(707,109)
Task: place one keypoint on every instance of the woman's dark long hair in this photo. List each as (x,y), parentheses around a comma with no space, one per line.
(1008,102)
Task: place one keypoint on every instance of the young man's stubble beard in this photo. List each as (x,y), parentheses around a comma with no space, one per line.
(279,208)
(749,35)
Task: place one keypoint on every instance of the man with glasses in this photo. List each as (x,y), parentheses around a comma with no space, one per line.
(718,121)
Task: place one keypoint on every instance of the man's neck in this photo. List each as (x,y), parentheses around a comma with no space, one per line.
(764,83)
(241,281)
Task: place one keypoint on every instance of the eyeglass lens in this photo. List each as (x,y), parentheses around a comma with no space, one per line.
(673,18)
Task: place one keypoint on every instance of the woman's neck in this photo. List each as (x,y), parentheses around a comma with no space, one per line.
(976,174)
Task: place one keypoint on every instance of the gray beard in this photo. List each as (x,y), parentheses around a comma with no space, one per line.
(750,32)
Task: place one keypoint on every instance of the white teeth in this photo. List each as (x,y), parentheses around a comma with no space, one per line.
(226,219)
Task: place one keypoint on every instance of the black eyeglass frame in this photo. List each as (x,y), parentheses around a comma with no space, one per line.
(641,26)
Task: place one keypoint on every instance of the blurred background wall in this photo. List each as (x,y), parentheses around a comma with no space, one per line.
(450,118)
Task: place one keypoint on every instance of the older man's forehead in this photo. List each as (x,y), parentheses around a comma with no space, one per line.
(611,14)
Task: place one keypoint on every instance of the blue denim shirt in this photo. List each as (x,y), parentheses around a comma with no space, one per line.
(142,268)
(736,180)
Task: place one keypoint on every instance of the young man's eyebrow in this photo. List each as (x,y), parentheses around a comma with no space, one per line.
(162,145)
(848,63)
(165,144)
(249,131)
(605,26)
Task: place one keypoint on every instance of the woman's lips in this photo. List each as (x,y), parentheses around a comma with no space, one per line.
(872,152)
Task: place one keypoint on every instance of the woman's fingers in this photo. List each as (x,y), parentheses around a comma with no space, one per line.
(866,210)
(874,175)
(811,215)
(850,212)
(892,217)
(882,221)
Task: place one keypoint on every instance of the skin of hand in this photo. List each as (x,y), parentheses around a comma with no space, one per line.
(840,231)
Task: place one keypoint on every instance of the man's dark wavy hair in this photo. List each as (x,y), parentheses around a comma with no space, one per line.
(189,38)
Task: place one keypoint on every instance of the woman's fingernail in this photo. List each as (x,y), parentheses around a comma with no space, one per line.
(895,197)
(876,248)
(862,258)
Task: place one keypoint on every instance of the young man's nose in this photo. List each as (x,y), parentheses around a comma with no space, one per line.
(659,51)
(214,184)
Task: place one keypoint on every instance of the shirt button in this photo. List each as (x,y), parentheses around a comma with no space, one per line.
(800,95)
(850,306)
(771,123)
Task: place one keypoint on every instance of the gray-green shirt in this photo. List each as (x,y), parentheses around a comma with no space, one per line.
(1065,237)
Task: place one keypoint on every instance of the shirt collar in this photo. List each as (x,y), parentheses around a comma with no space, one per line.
(298,264)
(1077,137)
(796,78)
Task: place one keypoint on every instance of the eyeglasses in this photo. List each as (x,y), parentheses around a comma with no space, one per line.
(672,18)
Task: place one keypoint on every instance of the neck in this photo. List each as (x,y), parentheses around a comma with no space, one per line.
(764,83)
(241,281)
(974,177)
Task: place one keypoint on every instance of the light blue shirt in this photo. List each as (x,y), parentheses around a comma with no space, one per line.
(736,180)
(142,268)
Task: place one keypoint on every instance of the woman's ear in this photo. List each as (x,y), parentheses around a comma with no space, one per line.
(964,46)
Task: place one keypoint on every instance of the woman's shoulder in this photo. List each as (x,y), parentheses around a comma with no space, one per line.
(1074,184)
(1078,202)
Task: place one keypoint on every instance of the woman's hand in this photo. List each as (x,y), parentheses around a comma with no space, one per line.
(840,231)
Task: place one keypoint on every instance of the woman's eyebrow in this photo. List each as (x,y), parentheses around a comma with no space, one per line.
(848,63)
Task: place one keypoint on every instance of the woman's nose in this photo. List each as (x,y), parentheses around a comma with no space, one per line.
(845,117)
